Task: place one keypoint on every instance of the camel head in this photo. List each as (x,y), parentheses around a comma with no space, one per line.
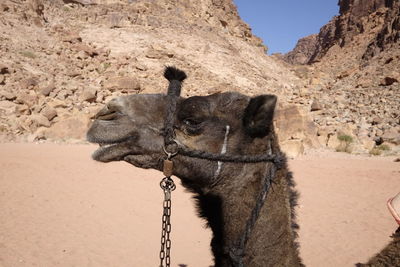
(138,129)
(131,128)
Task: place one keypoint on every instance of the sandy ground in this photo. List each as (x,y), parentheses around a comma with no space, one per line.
(60,208)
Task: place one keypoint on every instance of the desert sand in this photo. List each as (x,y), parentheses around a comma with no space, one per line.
(60,208)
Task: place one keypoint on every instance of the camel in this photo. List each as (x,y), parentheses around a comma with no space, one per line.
(131,128)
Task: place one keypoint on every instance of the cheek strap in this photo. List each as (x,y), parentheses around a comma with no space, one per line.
(223,151)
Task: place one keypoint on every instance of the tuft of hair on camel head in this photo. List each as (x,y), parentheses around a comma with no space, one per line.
(175,77)
(172,73)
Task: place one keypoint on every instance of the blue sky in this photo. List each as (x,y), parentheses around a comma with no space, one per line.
(281,23)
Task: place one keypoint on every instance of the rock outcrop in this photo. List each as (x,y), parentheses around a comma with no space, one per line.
(373,25)
(354,72)
(304,50)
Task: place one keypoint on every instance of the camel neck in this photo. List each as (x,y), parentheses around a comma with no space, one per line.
(272,239)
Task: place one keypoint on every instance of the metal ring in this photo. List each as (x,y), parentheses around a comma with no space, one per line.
(169,154)
(167,184)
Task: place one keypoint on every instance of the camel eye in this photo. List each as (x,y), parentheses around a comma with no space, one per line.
(191,122)
(192,126)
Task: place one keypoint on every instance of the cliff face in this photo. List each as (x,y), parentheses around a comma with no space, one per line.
(377,21)
(354,72)
(389,34)
(304,50)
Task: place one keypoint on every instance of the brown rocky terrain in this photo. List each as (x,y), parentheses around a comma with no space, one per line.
(353,70)
(62,60)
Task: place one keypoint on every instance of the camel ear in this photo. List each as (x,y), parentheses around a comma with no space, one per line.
(258,115)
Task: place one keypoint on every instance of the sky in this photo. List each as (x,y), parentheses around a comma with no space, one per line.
(281,23)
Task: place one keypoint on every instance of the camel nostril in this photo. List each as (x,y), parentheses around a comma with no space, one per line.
(109,112)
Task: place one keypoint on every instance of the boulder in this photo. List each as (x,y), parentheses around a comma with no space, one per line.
(294,123)
(87,50)
(40,120)
(376,120)
(4,69)
(27,99)
(57,103)
(365,82)
(48,89)
(74,127)
(73,72)
(122,84)
(92,111)
(392,136)
(22,110)
(29,82)
(72,37)
(88,94)
(7,108)
(333,141)
(367,143)
(292,148)
(141,67)
(81,55)
(116,20)
(316,105)
(388,81)
(158,53)
(49,113)
(63,94)
(4,7)
(153,54)
(24,122)
(8,95)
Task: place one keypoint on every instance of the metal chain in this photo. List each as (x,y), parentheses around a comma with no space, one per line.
(167,185)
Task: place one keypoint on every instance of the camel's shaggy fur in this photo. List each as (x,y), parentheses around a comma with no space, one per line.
(389,256)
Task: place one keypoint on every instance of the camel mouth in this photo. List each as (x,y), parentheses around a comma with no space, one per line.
(104,147)
(114,151)
(104,151)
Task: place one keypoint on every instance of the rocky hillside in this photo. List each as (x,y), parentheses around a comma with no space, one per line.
(353,69)
(61,60)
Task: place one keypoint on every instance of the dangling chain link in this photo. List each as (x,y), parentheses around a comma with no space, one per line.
(167,185)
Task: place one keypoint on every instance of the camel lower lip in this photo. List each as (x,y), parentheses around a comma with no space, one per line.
(102,150)
(108,152)
(113,151)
